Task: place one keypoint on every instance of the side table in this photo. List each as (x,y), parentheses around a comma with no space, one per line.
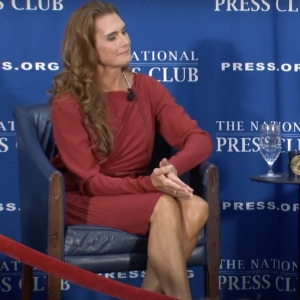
(284,179)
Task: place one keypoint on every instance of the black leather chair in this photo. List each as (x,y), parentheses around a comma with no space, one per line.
(97,249)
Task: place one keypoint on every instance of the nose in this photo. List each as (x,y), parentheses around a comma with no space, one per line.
(125,40)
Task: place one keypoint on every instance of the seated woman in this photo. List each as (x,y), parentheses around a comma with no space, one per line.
(104,121)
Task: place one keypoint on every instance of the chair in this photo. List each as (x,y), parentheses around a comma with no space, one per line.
(42,203)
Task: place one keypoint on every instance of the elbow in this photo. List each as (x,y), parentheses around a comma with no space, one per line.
(210,146)
(85,187)
(206,146)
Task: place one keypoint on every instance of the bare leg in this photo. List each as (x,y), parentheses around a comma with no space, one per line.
(194,214)
(165,249)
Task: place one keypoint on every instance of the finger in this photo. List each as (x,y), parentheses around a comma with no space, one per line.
(170,185)
(163,162)
(162,170)
(184,197)
(166,169)
(179,182)
(167,184)
(176,179)
(171,188)
(180,195)
(177,194)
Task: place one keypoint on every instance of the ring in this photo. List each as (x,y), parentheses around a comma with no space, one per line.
(174,192)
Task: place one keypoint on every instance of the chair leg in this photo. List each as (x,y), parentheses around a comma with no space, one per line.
(211,281)
(26,282)
(53,287)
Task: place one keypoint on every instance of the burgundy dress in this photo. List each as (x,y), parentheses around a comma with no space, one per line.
(116,193)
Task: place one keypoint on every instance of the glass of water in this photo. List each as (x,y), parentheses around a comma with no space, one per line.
(270,145)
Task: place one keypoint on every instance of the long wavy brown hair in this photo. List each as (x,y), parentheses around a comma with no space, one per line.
(80,61)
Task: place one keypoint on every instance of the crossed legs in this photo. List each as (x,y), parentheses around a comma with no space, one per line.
(174,228)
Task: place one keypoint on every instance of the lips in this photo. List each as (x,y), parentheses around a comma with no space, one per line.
(124,52)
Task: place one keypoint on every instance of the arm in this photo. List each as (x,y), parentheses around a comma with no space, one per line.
(180,131)
(74,146)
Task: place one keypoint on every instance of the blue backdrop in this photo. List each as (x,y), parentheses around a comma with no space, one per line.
(232,64)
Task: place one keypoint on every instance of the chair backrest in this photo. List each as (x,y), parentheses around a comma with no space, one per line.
(39,116)
(39,182)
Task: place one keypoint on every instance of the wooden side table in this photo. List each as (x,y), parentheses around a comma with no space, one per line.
(284,179)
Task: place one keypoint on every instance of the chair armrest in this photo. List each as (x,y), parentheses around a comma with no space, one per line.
(205,182)
(41,190)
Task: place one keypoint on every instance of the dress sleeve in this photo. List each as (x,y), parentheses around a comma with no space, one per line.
(194,145)
(74,147)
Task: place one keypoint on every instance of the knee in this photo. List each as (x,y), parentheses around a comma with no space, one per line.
(165,207)
(198,210)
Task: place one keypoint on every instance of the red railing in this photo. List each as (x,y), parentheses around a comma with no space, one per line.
(74,274)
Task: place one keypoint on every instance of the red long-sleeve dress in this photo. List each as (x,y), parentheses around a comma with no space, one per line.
(116,193)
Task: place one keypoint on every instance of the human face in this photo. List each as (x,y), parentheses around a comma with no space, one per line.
(112,42)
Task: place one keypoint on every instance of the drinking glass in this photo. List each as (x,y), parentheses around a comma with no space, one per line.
(270,145)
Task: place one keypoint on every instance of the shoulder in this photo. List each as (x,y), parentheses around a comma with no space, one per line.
(67,104)
(148,83)
(64,99)
(144,79)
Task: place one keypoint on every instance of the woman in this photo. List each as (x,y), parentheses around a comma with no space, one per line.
(104,121)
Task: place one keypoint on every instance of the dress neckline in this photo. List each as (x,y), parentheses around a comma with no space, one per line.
(129,86)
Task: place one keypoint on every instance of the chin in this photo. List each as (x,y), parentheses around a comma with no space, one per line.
(119,63)
(125,62)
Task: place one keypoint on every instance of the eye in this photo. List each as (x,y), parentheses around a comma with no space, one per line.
(124,32)
(111,38)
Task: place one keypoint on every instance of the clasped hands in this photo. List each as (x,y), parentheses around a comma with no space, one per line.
(165,179)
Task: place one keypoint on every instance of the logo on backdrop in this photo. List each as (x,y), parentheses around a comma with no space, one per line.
(257,5)
(8,207)
(241,137)
(134,274)
(260,205)
(7,136)
(10,278)
(258,274)
(38,5)
(164,66)
(30,66)
(11,270)
(259,66)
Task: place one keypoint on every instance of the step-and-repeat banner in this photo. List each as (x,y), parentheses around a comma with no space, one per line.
(232,64)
